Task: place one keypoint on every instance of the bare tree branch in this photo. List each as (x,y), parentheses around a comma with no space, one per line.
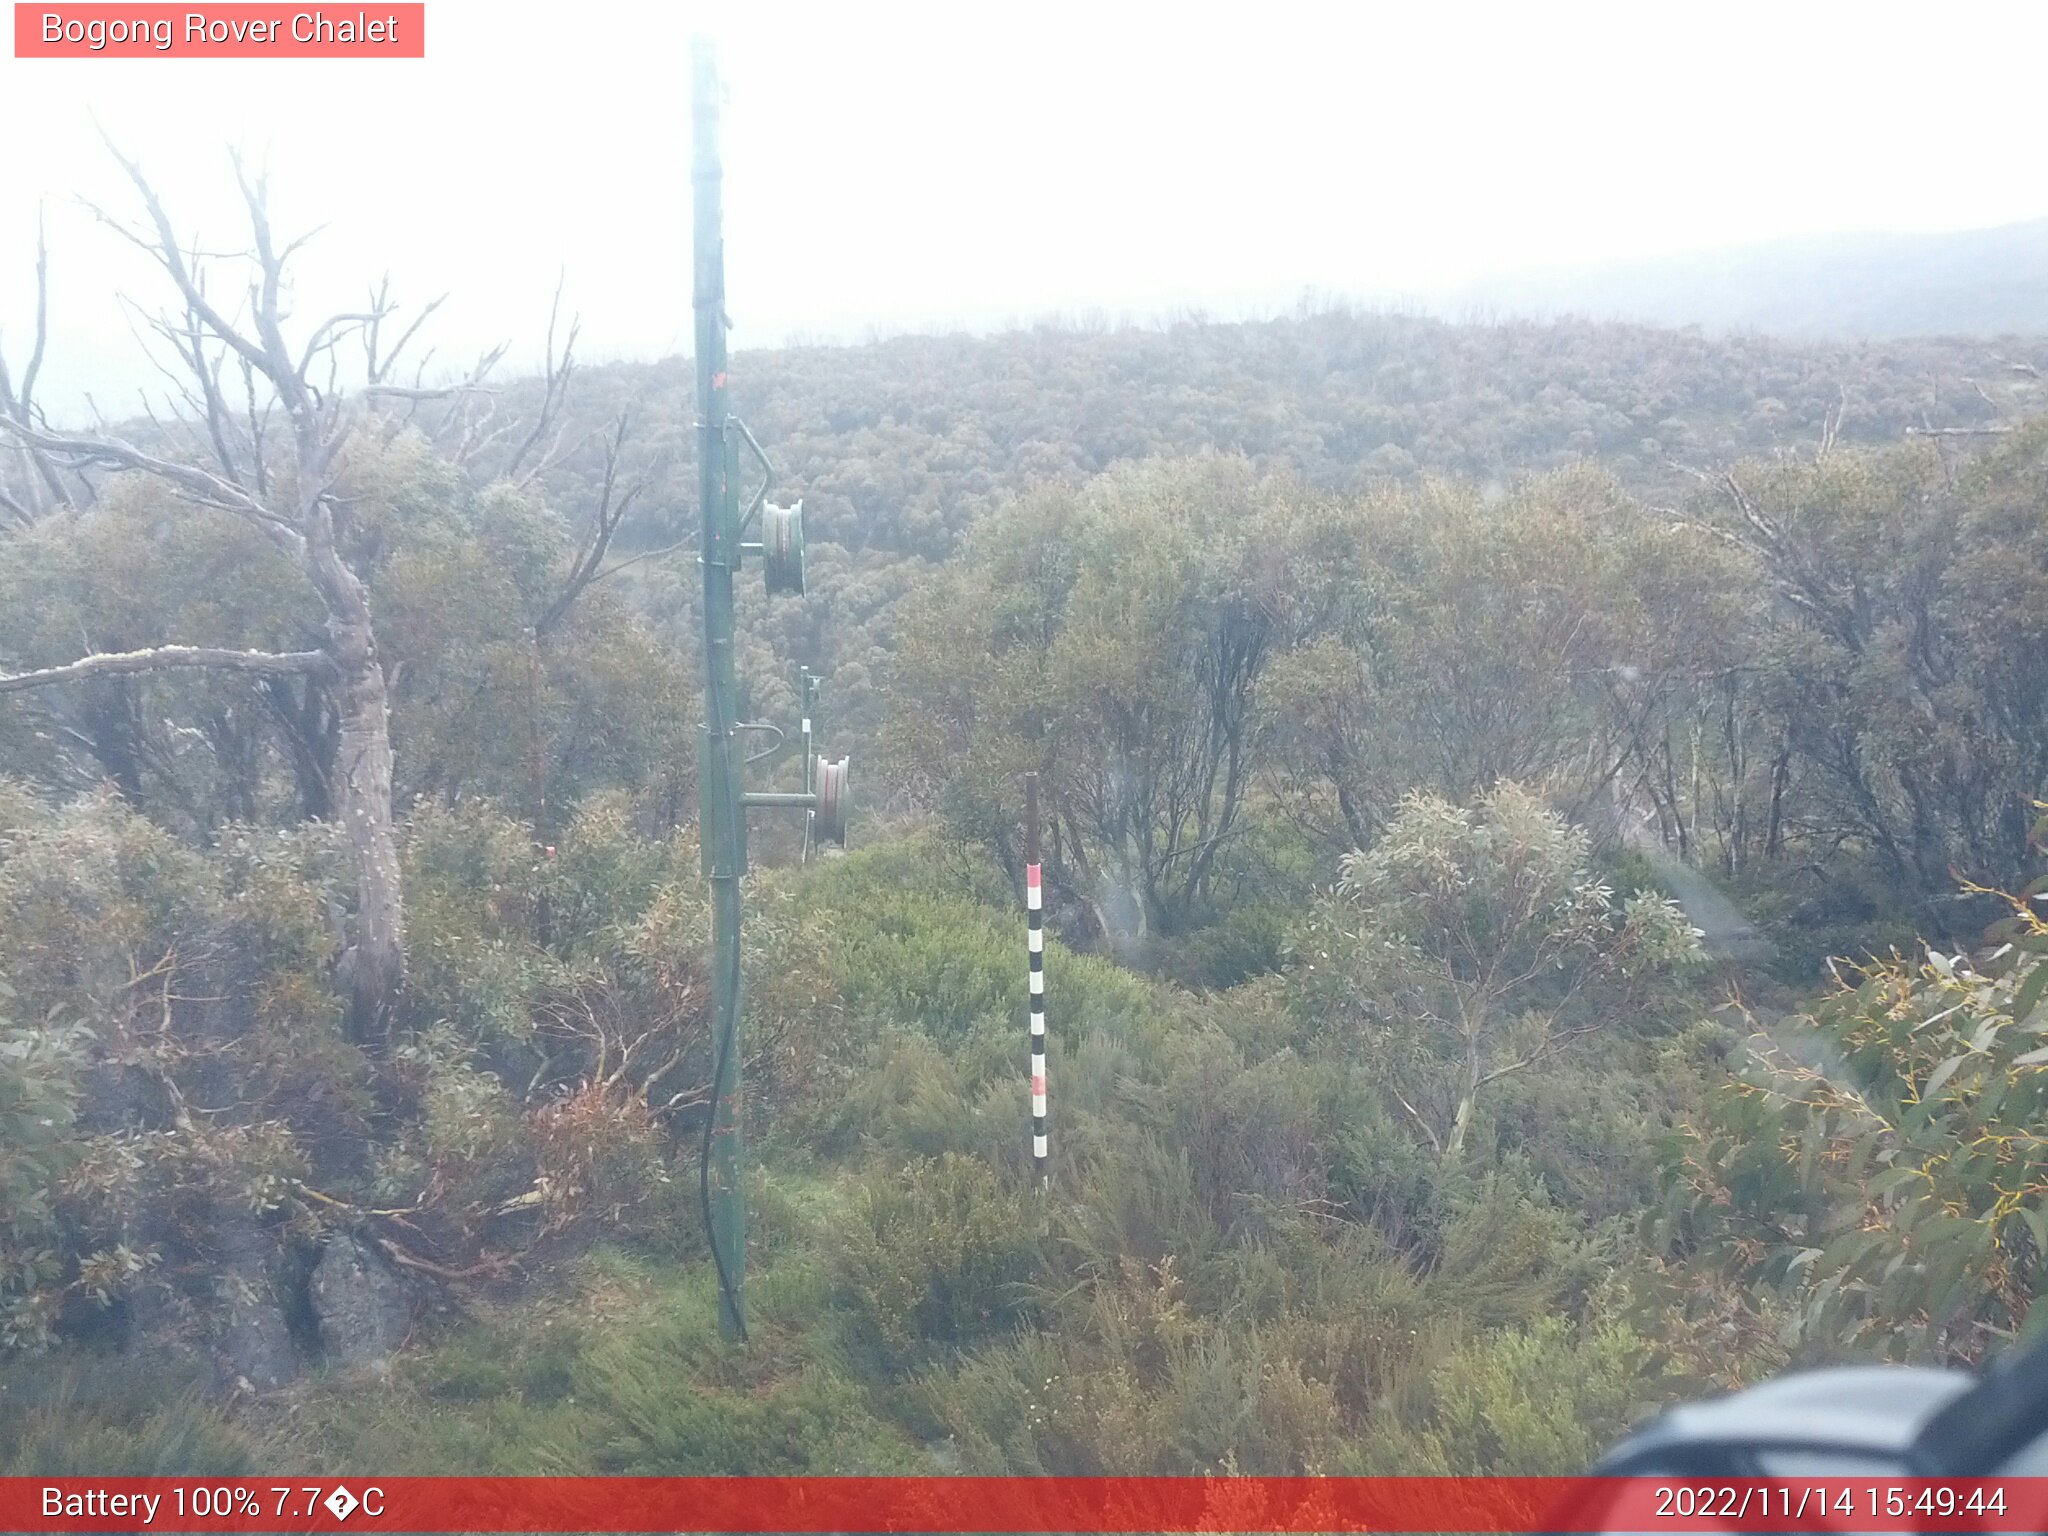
(435,392)
(257,420)
(332,330)
(35,357)
(200,484)
(21,407)
(554,382)
(472,438)
(167,253)
(290,381)
(165,658)
(208,375)
(646,554)
(377,364)
(612,508)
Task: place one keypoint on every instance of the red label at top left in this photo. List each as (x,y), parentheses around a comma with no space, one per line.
(230,31)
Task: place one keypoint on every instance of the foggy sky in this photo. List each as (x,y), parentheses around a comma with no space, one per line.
(897,167)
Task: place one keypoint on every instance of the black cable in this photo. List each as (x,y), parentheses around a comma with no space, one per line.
(721,1045)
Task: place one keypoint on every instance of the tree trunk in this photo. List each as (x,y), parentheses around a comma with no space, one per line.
(1460,1124)
(373,967)
(1781,777)
(1468,1098)
(1354,822)
(113,726)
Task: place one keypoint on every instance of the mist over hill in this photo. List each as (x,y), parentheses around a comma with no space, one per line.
(1974,282)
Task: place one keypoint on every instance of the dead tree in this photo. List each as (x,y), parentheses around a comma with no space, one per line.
(267,419)
(43,488)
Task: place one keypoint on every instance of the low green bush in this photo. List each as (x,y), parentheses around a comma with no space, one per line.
(936,1254)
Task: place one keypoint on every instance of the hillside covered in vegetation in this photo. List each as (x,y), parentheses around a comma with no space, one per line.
(1379,673)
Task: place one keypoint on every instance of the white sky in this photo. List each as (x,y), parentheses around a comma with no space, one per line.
(897,166)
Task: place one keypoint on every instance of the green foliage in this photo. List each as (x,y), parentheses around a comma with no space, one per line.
(1860,698)
(1245,942)
(607,873)
(1876,1164)
(217,1108)
(1468,944)
(1246,1262)
(900,443)
(946,966)
(114,1418)
(907,1097)
(141,568)
(1113,640)
(486,703)
(467,1135)
(1505,1254)
(1517,1403)
(1255,1255)
(813,1423)
(1411,669)
(153,969)
(39,1071)
(944,957)
(93,898)
(1142,1383)
(934,1255)
(486,700)
(1590,1125)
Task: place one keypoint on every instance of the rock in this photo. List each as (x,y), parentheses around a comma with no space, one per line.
(364,1308)
(253,1336)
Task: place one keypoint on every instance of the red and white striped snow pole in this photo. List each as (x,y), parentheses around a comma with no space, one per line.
(1034,919)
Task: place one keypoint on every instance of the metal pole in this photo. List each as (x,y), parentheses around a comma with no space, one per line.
(807,690)
(1034,941)
(721,825)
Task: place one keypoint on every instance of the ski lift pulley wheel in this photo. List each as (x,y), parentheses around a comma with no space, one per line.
(833,800)
(782,550)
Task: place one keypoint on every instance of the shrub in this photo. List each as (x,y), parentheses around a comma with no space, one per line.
(1878,1166)
(93,898)
(936,1254)
(1471,943)
(1242,943)
(1541,1401)
(472,891)
(39,1071)
(602,1160)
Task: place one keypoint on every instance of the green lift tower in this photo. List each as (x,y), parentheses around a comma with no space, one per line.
(775,534)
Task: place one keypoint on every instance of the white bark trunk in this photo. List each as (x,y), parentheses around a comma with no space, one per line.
(373,967)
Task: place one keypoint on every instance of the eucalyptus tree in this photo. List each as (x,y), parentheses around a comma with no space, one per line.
(1470,943)
(1447,639)
(1114,639)
(1903,595)
(272,427)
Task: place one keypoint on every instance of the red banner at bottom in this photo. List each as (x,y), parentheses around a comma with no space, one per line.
(1019,1504)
